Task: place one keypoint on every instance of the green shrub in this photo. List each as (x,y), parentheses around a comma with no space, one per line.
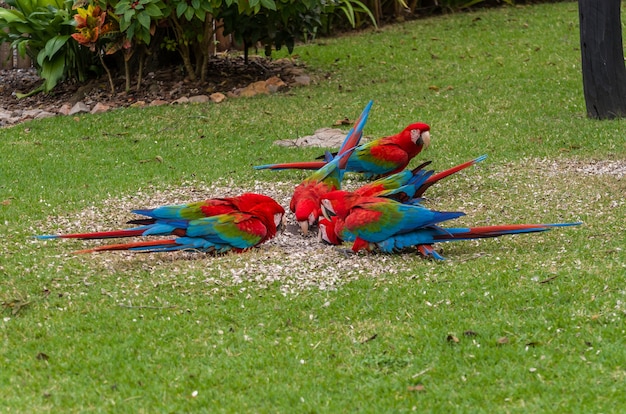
(42,30)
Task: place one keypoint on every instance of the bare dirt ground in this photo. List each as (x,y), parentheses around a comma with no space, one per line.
(226,74)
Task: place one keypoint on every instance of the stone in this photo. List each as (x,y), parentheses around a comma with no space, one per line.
(274,84)
(323,137)
(217,97)
(181,100)
(44,114)
(79,107)
(64,109)
(158,102)
(302,80)
(4,115)
(198,99)
(254,89)
(100,108)
(31,113)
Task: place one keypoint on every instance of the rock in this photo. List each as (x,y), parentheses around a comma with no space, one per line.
(158,102)
(323,137)
(99,108)
(302,80)
(64,109)
(44,114)
(5,116)
(294,71)
(198,99)
(31,113)
(254,89)
(274,84)
(217,97)
(79,107)
(181,100)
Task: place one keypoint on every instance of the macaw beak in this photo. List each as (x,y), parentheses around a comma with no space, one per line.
(280,223)
(327,209)
(322,237)
(304,226)
(425,139)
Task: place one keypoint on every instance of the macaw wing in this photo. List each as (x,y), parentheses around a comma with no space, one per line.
(236,229)
(377,158)
(384,184)
(190,211)
(375,221)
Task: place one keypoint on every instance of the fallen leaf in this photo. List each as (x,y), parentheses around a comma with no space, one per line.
(371,338)
(452,338)
(502,341)
(15,305)
(344,121)
(42,357)
(548,280)
(417,388)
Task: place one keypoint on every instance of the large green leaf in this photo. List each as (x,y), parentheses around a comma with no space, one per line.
(181,8)
(144,20)
(11,16)
(153,10)
(55,44)
(52,70)
(269,4)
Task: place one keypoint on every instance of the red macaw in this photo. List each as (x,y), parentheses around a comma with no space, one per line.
(368,220)
(216,225)
(405,187)
(380,157)
(334,230)
(305,202)
(191,211)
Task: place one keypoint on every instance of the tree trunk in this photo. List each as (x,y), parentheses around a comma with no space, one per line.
(604,73)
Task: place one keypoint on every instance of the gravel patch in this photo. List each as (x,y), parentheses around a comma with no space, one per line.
(290,260)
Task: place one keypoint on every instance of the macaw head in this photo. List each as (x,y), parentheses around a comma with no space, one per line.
(337,203)
(270,212)
(307,212)
(419,136)
(326,231)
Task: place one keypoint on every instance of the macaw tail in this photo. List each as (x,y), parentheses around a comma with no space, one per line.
(305,165)
(471,233)
(433,179)
(95,235)
(424,238)
(145,246)
(352,140)
(198,244)
(354,135)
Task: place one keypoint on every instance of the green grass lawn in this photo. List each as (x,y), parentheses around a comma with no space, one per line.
(533,323)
